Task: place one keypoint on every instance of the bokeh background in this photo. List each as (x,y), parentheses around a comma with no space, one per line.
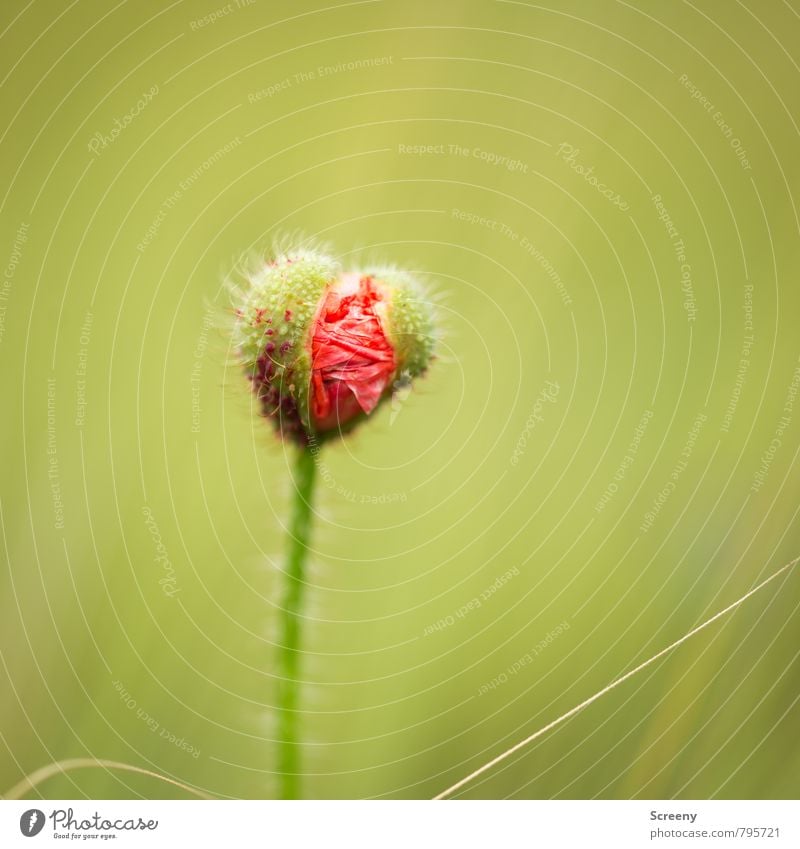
(602,198)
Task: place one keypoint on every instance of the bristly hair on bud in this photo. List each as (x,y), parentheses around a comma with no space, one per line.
(324,347)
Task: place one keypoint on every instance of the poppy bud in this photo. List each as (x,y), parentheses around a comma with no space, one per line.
(322,347)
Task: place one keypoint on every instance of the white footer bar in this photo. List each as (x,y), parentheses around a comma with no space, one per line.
(387,825)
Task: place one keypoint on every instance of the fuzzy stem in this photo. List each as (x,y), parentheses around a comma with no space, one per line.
(289,647)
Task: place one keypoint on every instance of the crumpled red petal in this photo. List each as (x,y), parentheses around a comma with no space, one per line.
(351,357)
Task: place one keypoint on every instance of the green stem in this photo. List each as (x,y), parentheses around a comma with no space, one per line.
(289,648)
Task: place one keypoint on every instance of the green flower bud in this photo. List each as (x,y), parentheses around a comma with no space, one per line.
(322,347)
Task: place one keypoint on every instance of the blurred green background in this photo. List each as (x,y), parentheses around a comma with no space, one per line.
(603,198)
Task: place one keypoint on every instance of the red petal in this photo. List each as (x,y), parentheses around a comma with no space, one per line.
(351,357)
